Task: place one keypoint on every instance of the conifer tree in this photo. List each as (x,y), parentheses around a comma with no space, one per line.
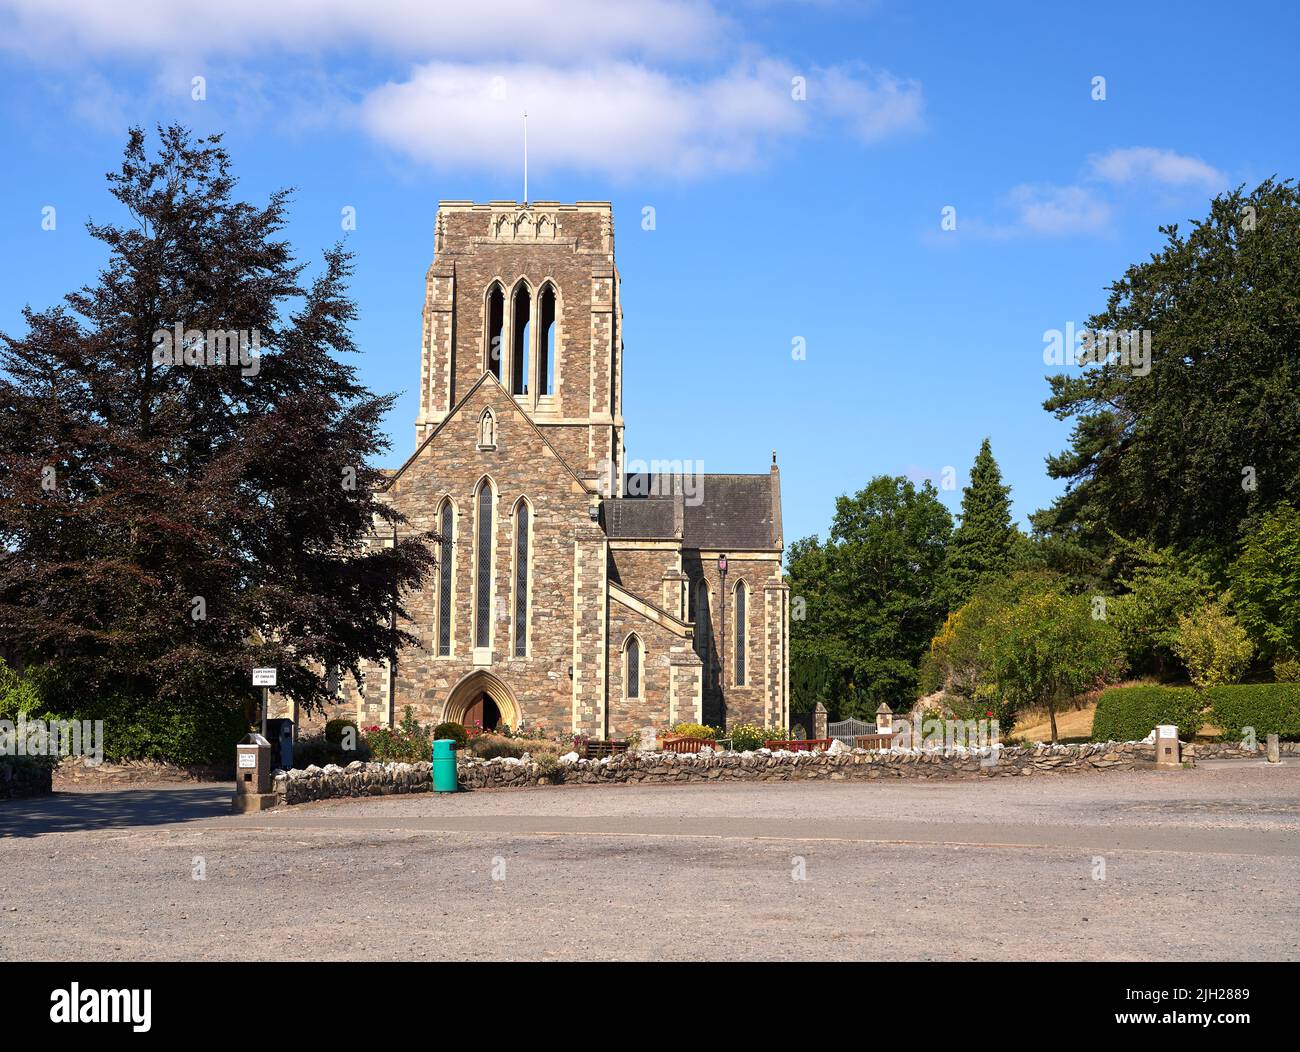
(983,543)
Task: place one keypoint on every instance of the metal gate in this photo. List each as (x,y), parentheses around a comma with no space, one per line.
(848,730)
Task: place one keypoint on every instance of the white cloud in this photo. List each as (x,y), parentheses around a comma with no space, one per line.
(239,28)
(622,118)
(1148,164)
(1056,210)
(666,87)
(872,105)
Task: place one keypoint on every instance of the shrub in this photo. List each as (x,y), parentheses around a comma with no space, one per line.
(1286,669)
(746,737)
(1213,646)
(177,731)
(20,694)
(488,746)
(1130,713)
(451,730)
(25,775)
(1270,708)
(334,730)
(408,742)
(319,750)
(193,730)
(696,730)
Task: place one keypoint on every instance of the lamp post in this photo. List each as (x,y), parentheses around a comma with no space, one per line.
(722,656)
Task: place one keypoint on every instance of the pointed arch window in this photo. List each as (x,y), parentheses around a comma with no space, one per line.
(521,333)
(446,525)
(546,341)
(701,619)
(632,667)
(495,334)
(521,579)
(483,569)
(740,633)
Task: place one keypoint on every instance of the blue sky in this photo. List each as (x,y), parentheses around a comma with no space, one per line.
(776,217)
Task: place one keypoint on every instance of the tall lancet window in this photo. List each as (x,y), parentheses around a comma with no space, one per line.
(521,314)
(483,569)
(740,634)
(496,335)
(632,671)
(521,579)
(446,524)
(546,341)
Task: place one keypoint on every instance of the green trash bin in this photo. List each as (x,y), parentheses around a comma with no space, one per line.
(444,765)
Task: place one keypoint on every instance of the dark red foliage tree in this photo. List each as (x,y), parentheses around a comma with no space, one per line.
(167,525)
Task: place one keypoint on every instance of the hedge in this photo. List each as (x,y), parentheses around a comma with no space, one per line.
(1270,708)
(175,731)
(1127,714)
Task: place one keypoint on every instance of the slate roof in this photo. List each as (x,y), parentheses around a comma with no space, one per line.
(641,517)
(729,511)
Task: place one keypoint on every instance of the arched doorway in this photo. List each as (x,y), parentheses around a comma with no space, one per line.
(482,712)
(483,699)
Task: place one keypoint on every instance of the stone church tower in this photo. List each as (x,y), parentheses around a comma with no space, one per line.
(569,597)
(507,288)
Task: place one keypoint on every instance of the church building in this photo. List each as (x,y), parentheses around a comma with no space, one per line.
(569,596)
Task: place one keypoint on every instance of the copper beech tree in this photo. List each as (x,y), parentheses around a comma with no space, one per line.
(186,488)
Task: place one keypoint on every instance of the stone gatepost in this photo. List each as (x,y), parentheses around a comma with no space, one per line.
(1274,749)
(884,719)
(819,722)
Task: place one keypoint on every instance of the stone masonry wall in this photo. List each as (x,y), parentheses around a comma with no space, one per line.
(373,779)
(641,571)
(520,466)
(750,702)
(1236,751)
(629,714)
(25,776)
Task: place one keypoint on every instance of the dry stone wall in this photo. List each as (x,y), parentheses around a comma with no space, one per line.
(1236,750)
(374,779)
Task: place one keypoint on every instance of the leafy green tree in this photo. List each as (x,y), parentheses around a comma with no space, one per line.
(174,511)
(1047,647)
(1207,438)
(984,543)
(959,660)
(1162,587)
(1266,583)
(874,592)
(1213,646)
(818,665)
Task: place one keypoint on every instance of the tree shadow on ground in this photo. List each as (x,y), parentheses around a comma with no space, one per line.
(112,808)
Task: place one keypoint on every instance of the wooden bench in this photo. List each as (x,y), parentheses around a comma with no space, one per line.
(687,744)
(800,745)
(872,741)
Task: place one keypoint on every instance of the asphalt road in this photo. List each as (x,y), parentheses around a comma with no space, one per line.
(1145,865)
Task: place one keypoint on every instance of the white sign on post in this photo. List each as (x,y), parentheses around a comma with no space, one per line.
(264,677)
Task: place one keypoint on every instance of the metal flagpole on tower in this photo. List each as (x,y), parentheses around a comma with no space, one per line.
(525,158)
